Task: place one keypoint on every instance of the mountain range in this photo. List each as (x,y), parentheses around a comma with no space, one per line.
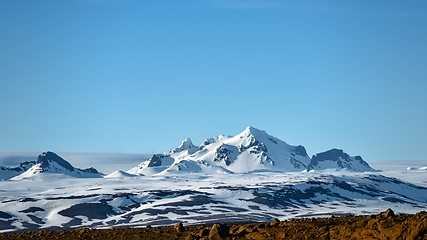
(249,151)
(251,176)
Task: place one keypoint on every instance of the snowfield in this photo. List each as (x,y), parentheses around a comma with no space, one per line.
(198,198)
(248,177)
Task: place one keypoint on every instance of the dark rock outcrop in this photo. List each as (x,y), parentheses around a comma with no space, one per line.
(338,159)
(46,158)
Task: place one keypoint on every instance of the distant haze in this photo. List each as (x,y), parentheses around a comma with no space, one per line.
(103,162)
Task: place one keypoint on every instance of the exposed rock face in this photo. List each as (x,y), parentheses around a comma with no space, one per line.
(224,153)
(45,160)
(300,150)
(218,231)
(186,144)
(388,213)
(179,227)
(156,160)
(338,159)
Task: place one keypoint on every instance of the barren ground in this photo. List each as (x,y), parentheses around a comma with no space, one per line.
(385,225)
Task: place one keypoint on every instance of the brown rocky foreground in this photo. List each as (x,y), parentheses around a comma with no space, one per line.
(385,225)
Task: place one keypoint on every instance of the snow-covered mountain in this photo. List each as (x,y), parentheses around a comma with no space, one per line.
(51,163)
(338,159)
(274,180)
(10,172)
(251,150)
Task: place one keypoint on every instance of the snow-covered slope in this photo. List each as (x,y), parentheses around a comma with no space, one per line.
(10,172)
(338,159)
(51,163)
(251,150)
(201,199)
(119,174)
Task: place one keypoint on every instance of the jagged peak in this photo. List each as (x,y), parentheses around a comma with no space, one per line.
(46,157)
(186,144)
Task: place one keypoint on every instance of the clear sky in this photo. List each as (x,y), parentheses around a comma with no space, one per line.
(140,76)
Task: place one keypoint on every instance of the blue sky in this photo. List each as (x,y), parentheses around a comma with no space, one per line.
(140,76)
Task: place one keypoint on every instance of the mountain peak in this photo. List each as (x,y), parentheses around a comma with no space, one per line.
(252,131)
(50,162)
(186,144)
(337,158)
(250,150)
(47,157)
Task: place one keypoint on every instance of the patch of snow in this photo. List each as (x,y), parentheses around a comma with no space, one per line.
(119,174)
